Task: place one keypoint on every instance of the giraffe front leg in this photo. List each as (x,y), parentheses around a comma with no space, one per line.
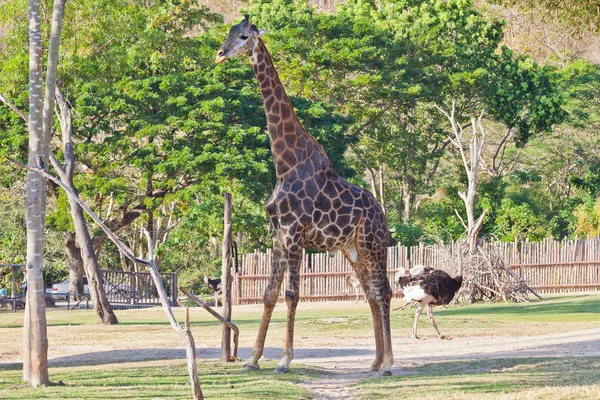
(384,301)
(292,296)
(269,300)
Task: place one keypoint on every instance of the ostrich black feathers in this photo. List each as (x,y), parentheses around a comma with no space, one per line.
(441,286)
(414,277)
(213,284)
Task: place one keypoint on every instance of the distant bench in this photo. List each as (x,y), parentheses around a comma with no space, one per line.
(13,302)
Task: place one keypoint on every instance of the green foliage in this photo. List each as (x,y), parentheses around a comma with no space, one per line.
(440,219)
(518,222)
(524,96)
(386,64)
(54,274)
(160,128)
(588,218)
(156,122)
(408,234)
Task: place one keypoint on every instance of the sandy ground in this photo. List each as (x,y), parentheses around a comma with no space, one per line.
(348,360)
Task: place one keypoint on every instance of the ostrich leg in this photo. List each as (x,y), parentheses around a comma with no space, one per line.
(418,312)
(430,315)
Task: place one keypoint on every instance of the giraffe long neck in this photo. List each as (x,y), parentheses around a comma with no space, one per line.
(293,148)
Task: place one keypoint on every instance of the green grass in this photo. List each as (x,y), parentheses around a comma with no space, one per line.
(165,382)
(530,378)
(556,309)
(572,308)
(550,378)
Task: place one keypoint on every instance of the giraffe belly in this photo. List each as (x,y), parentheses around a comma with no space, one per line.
(316,239)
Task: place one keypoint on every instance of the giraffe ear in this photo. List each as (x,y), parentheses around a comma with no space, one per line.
(259,33)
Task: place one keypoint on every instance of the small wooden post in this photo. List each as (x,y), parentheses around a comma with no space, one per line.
(226,280)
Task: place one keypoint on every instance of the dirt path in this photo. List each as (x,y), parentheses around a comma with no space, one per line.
(346,360)
(348,369)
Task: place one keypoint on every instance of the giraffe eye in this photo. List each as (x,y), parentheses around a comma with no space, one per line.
(243,37)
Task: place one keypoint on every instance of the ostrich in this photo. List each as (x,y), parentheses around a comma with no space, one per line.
(215,286)
(429,287)
(353,282)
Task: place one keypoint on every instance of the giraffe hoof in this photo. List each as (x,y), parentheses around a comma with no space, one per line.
(281,370)
(445,337)
(249,367)
(384,372)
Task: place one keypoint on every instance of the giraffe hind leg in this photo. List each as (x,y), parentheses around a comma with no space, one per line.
(384,298)
(378,328)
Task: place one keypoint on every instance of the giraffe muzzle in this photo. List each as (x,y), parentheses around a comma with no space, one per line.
(220,57)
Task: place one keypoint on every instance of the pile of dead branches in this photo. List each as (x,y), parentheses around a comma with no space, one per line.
(486,278)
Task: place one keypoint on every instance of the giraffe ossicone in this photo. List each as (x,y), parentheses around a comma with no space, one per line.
(312,207)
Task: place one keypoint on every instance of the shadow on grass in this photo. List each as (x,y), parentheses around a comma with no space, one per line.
(577,346)
(487,376)
(136,355)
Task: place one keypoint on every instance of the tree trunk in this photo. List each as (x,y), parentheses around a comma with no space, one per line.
(90,263)
(215,244)
(35,340)
(406,198)
(373,182)
(226,280)
(76,270)
(381,189)
(471,165)
(86,249)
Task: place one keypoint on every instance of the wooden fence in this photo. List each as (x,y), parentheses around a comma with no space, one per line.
(125,288)
(548,266)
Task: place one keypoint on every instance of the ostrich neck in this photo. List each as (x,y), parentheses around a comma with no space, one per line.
(292,147)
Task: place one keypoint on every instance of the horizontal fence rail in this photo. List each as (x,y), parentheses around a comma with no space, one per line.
(137,288)
(547,266)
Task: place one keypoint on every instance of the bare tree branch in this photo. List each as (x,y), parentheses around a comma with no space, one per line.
(14,108)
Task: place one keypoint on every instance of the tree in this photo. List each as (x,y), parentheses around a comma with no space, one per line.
(90,262)
(471,166)
(41,108)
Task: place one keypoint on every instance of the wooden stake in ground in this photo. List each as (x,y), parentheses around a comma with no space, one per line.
(226,280)
(232,326)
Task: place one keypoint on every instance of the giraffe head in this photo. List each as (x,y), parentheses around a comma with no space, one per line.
(242,38)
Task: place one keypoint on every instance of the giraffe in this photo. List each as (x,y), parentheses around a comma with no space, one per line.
(313,207)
